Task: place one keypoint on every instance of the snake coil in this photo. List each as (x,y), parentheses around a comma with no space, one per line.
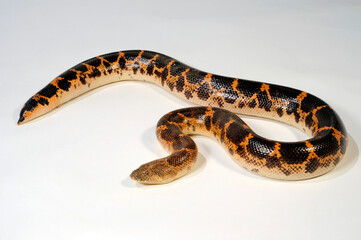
(219,95)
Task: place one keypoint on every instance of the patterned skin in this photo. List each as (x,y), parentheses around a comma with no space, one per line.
(280,160)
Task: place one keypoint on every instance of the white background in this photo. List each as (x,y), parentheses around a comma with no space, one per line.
(66,175)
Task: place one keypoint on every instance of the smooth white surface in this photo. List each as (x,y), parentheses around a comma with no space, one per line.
(66,175)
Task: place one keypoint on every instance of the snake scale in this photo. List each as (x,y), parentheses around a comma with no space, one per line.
(221,99)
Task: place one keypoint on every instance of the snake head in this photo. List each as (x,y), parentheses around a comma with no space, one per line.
(155,172)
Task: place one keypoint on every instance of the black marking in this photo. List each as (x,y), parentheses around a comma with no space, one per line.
(223,133)
(311,102)
(95,73)
(343,145)
(252,103)
(176,118)
(122,63)
(221,117)
(309,120)
(336,161)
(48,91)
(224,85)
(188,94)
(170,134)
(95,62)
(164,75)
(21,118)
(178,158)
(324,118)
(181,142)
(108,67)
(294,153)
(177,68)
(220,83)
(157,73)
(81,67)
(147,55)
(323,133)
(312,165)
(240,151)
(262,149)
(135,67)
(207,122)
(203,92)
(170,85)
(328,145)
(272,162)
(82,80)
(150,68)
(180,84)
(29,106)
(162,61)
(111,57)
(131,55)
(283,94)
(264,101)
(248,88)
(292,107)
(236,133)
(220,101)
(64,84)
(69,75)
(297,117)
(230,96)
(279,112)
(285,171)
(43,101)
(194,76)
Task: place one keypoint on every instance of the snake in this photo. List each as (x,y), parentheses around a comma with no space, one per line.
(221,99)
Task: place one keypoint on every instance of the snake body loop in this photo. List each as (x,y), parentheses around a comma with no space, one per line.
(280,160)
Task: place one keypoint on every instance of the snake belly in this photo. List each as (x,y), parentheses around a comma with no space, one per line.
(223,97)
